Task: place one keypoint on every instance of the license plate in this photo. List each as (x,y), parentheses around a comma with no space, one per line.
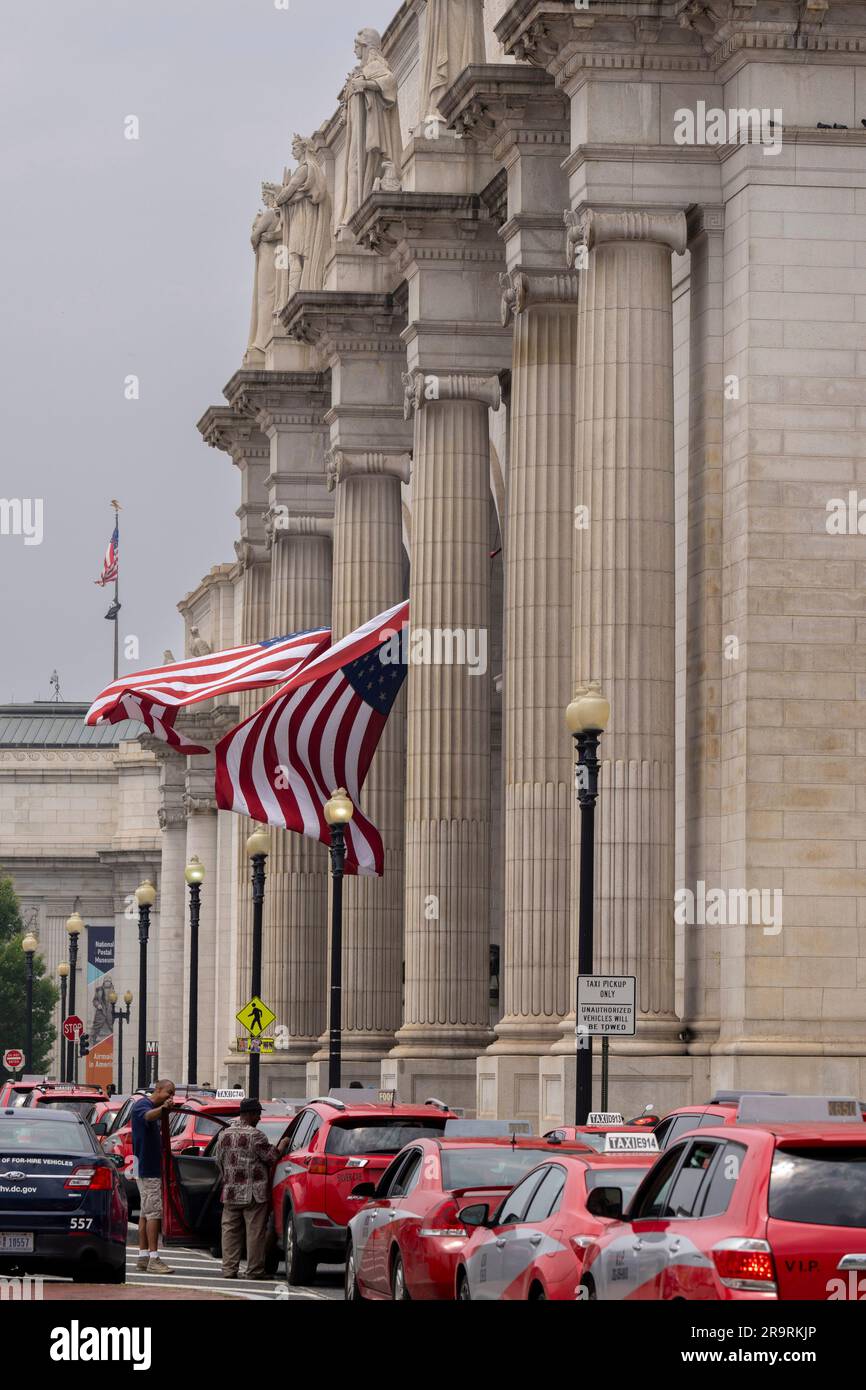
(21,1243)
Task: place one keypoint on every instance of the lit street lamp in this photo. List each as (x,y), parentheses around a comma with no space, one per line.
(63,972)
(145,896)
(120,1016)
(29,946)
(338,812)
(194,875)
(258,845)
(587,718)
(74,928)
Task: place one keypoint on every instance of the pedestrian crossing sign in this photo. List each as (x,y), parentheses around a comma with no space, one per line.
(255,1017)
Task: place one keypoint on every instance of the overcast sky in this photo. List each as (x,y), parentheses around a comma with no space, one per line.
(122,257)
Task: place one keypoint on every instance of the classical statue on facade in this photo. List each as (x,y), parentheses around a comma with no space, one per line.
(372,123)
(305,210)
(197,644)
(266,237)
(453,39)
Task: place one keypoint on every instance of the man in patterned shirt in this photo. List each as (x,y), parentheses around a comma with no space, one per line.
(246,1161)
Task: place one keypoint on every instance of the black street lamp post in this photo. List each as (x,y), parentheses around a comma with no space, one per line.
(338,812)
(258,845)
(586,717)
(145,896)
(74,928)
(120,1016)
(29,946)
(194,875)
(63,972)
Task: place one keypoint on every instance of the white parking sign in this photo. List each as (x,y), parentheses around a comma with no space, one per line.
(606,1005)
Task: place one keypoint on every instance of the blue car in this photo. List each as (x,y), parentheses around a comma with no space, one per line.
(62,1207)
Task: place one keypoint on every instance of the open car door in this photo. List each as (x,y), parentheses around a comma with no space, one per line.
(191,1206)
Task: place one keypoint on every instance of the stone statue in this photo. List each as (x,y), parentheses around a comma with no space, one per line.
(305,209)
(267,235)
(168,657)
(389,180)
(197,644)
(372,123)
(453,39)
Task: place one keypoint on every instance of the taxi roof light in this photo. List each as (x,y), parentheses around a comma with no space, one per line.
(785,1109)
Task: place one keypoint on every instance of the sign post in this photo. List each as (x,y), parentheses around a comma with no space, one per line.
(606,1009)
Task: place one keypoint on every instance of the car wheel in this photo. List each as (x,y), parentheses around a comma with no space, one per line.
(537,1294)
(352,1290)
(399,1291)
(300,1267)
(463,1292)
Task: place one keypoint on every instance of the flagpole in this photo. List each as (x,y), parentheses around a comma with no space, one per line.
(117,596)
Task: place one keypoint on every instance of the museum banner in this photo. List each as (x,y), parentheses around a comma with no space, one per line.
(100,1023)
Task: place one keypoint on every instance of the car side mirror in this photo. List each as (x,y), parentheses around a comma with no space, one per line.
(101,1127)
(606,1202)
(476,1215)
(365,1190)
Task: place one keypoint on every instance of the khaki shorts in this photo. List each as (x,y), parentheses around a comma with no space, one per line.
(150,1198)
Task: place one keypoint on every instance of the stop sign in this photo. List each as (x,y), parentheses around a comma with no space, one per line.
(72,1026)
(13,1059)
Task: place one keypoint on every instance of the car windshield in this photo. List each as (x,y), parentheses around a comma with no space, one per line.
(490,1165)
(274,1127)
(82,1105)
(43,1136)
(820,1187)
(373,1136)
(626,1179)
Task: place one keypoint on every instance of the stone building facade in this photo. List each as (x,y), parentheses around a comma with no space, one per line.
(583,372)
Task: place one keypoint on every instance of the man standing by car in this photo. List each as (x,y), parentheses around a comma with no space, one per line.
(147,1149)
(246,1161)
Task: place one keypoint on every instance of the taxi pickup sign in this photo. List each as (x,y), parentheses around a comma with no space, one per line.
(230,1094)
(631,1144)
(606,1005)
(605,1117)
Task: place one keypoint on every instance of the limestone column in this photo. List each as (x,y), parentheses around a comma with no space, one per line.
(368,578)
(539,779)
(172,823)
(201,840)
(624,592)
(448,755)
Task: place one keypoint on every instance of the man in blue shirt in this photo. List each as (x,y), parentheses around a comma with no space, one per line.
(147,1148)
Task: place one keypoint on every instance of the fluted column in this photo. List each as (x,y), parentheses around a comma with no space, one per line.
(538,770)
(368,578)
(170,956)
(201,840)
(448,756)
(294,947)
(624,591)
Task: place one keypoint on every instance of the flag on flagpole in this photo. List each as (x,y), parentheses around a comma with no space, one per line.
(109,563)
(318,733)
(156,696)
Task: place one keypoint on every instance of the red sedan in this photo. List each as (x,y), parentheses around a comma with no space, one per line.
(406,1242)
(530,1246)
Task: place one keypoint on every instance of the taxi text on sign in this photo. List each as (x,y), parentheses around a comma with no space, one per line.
(606,1005)
(255,1017)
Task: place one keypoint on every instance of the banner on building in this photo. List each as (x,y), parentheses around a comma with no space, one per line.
(100,967)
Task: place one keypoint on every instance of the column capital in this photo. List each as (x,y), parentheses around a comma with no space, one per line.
(522,290)
(590,227)
(198,805)
(705,219)
(279,522)
(420,388)
(250,553)
(171,818)
(341,464)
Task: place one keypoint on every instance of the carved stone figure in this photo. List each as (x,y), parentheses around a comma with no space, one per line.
(305,210)
(197,644)
(453,38)
(389,181)
(266,236)
(168,657)
(372,122)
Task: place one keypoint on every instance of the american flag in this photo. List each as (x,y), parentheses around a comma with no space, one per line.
(318,733)
(109,563)
(156,696)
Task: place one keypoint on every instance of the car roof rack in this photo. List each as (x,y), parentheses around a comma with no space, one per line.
(734,1097)
(787,1109)
(326,1100)
(435,1101)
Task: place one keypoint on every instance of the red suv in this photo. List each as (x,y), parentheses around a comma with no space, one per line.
(336,1145)
(773,1207)
(68,1095)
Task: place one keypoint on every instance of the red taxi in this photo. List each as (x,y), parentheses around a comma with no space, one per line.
(721,1110)
(593,1133)
(14,1093)
(66,1094)
(773,1207)
(530,1245)
(103,1112)
(406,1241)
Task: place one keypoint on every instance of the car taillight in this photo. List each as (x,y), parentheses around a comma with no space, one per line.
(318,1165)
(443,1222)
(745,1264)
(90,1180)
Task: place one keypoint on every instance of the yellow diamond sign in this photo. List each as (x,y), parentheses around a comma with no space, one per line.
(255,1017)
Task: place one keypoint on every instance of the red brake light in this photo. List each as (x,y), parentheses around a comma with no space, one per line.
(90,1180)
(745,1264)
(443,1221)
(318,1165)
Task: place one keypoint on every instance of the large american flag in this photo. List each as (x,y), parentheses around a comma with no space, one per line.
(318,733)
(156,696)
(109,563)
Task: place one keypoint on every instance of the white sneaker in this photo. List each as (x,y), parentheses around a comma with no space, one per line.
(158,1266)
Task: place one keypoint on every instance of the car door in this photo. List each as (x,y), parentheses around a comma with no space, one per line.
(291,1173)
(489,1258)
(531,1240)
(635,1257)
(688,1269)
(378,1218)
(191,1186)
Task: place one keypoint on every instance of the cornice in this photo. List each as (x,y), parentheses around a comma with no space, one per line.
(338,321)
(266,396)
(453,225)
